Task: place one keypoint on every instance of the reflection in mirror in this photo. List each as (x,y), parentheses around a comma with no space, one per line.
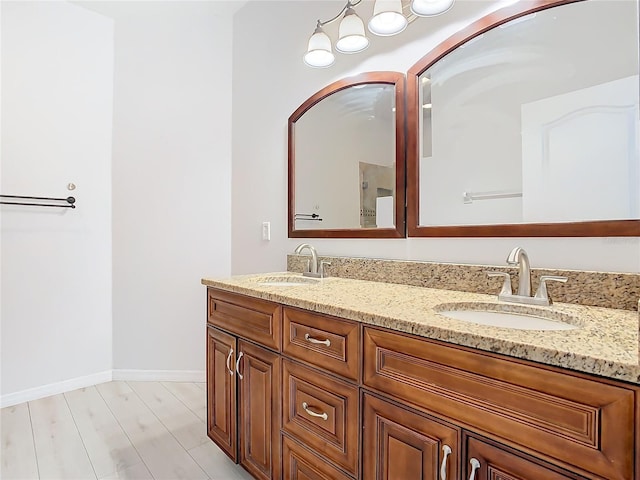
(531,127)
(346,160)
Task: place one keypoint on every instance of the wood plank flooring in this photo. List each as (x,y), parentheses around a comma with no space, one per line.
(115,430)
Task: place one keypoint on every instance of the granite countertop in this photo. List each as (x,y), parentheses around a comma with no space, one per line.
(606,342)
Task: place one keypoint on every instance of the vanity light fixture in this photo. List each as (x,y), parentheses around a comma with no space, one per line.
(388,19)
(430,8)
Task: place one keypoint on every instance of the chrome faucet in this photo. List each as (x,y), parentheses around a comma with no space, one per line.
(314,267)
(519,257)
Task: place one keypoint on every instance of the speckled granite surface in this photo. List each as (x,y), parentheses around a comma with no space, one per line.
(598,289)
(606,342)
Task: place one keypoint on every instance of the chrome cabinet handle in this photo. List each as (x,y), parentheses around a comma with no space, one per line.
(240,376)
(228,360)
(475,465)
(305,407)
(310,339)
(446,450)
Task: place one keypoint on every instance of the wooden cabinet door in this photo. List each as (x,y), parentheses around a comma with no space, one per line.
(488,461)
(399,444)
(259,400)
(221,391)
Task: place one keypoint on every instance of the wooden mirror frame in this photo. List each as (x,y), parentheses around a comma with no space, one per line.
(604,228)
(392,78)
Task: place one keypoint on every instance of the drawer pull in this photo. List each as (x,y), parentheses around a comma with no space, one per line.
(323,416)
(475,465)
(446,450)
(310,339)
(238,366)
(228,360)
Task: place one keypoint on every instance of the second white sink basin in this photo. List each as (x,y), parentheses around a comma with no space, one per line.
(520,320)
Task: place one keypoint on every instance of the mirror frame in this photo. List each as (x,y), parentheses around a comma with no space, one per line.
(604,228)
(392,78)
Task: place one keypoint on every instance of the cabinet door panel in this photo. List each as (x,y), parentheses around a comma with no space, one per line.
(259,410)
(298,463)
(496,463)
(221,391)
(400,444)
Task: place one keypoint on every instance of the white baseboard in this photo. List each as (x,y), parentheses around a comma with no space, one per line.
(80,382)
(54,388)
(160,375)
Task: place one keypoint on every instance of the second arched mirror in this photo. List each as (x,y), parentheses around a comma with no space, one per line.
(347,160)
(526,124)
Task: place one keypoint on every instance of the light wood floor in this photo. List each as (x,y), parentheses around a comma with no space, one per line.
(128,430)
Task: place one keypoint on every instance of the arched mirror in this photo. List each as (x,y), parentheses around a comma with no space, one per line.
(347,160)
(526,124)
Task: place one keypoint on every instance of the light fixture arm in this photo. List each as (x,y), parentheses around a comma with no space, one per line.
(349,5)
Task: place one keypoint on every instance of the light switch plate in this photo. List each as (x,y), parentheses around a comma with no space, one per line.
(266,230)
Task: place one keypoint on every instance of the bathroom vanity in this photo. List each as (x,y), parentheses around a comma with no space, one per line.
(349,379)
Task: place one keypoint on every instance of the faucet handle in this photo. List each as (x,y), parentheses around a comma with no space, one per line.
(323,264)
(542,292)
(506,286)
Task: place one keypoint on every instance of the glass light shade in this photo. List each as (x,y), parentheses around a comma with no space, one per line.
(387,18)
(319,54)
(351,34)
(429,8)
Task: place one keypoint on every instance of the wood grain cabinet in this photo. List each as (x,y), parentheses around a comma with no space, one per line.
(320,394)
(244,382)
(297,395)
(573,421)
(399,443)
(486,460)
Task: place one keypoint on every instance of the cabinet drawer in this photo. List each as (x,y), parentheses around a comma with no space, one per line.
(298,463)
(326,342)
(251,318)
(321,412)
(571,419)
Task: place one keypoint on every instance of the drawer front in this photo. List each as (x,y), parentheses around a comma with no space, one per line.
(251,318)
(326,342)
(298,463)
(321,412)
(576,421)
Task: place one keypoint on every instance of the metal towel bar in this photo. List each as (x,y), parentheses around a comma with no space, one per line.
(33,201)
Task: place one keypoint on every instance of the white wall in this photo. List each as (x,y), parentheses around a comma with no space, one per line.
(57,83)
(270,82)
(171,176)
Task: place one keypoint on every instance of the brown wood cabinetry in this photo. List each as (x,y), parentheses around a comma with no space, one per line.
(572,420)
(221,391)
(321,412)
(489,461)
(244,382)
(299,463)
(400,443)
(330,343)
(295,394)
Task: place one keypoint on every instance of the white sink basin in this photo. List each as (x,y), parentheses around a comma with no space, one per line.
(514,317)
(286,281)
